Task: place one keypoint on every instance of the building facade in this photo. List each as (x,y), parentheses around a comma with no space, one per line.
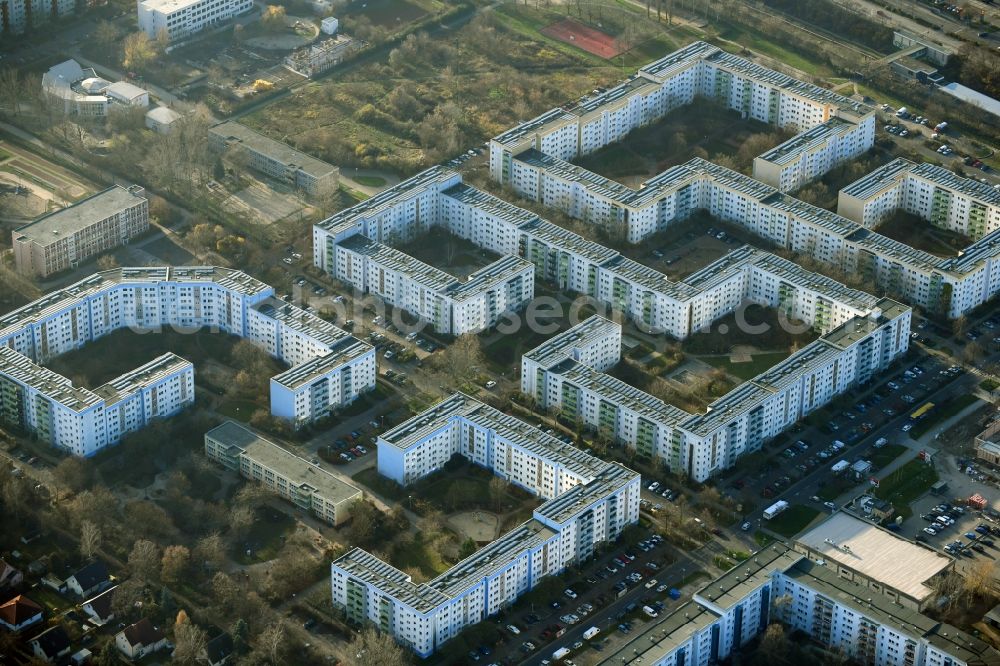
(62,239)
(18,16)
(177,19)
(836,127)
(928,191)
(146,300)
(701,445)
(295,479)
(588,502)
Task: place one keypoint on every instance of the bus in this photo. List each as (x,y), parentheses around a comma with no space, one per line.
(922,411)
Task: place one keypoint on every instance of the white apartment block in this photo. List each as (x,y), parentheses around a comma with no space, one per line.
(62,239)
(276,159)
(311,390)
(701,445)
(295,479)
(81,421)
(589,502)
(17,16)
(950,286)
(146,300)
(450,305)
(697,70)
(838,614)
(351,246)
(928,191)
(811,154)
(180,18)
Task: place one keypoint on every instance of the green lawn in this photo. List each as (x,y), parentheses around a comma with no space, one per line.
(943,413)
(761,362)
(420,555)
(792,520)
(370,181)
(834,487)
(761,43)
(906,484)
(380,484)
(882,457)
(4,155)
(241,410)
(266,536)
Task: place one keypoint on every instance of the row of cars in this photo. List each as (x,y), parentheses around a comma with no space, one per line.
(662,491)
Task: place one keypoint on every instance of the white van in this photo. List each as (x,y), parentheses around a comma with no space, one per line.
(590,633)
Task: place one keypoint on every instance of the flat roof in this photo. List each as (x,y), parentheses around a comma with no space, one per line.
(145,375)
(275,150)
(662,636)
(343,352)
(68,221)
(296,469)
(876,553)
(732,587)
(974,97)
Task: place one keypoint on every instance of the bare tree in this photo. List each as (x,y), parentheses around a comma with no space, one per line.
(90,539)
(210,550)
(144,560)
(271,641)
(240,519)
(462,360)
(373,648)
(189,641)
(174,563)
(498,490)
(125,597)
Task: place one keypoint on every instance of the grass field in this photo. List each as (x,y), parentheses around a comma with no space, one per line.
(419,555)
(792,520)
(942,413)
(761,43)
(906,484)
(882,457)
(922,235)
(761,362)
(266,536)
(370,181)
(241,410)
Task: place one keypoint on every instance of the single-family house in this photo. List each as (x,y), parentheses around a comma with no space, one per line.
(10,576)
(19,613)
(218,650)
(99,607)
(51,645)
(137,640)
(89,580)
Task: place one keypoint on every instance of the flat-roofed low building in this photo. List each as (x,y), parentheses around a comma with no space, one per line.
(62,239)
(276,159)
(871,556)
(302,483)
(988,444)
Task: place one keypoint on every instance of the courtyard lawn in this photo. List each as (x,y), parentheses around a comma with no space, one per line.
(241,410)
(420,555)
(792,520)
(761,362)
(906,484)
